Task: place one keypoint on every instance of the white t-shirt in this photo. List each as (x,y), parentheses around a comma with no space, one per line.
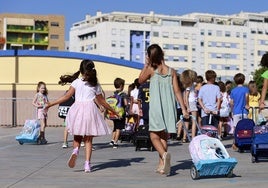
(84,91)
(134,93)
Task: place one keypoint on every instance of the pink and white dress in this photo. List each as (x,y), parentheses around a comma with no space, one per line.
(84,117)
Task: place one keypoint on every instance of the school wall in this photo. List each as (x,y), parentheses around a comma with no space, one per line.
(21,70)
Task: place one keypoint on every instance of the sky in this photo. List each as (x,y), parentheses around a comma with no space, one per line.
(76,10)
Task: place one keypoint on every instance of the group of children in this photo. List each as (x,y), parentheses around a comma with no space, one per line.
(227,103)
(85,121)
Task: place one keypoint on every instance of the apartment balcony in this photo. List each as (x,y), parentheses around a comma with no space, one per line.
(27,41)
(27,29)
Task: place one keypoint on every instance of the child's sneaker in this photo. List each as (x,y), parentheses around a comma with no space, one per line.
(82,144)
(115,146)
(72,160)
(65,145)
(111,143)
(43,141)
(87,166)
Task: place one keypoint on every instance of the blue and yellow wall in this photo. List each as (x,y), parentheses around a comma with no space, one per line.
(21,70)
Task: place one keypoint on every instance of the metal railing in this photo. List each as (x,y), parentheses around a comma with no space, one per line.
(14,112)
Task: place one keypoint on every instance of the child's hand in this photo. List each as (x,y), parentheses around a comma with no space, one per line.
(46,106)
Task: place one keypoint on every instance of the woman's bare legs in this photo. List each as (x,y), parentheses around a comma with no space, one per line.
(159,141)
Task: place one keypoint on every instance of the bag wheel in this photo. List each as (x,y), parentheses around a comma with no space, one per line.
(194,173)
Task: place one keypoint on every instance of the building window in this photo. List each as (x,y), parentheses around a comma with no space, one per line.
(175,47)
(165,46)
(176,35)
(122,44)
(165,34)
(137,57)
(122,56)
(209,32)
(202,32)
(227,33)
(156,34)
(54,48)
(138,45)
(122,32)
(219,33)
(113,43)
(113,31)
(202,43)
(176,59)
(54,36)
(54,24)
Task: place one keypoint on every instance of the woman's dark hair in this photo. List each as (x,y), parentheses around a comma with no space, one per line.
(264,60)
(155,54)
(136,82)
(87,69)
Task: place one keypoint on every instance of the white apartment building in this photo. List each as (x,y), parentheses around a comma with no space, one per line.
(227,44)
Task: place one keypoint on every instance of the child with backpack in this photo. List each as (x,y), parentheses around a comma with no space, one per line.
(121,103)
(225,110)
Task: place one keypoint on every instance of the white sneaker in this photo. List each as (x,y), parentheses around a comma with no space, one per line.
(82,144)
(65,145)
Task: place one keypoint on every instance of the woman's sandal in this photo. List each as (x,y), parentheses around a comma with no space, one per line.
(166,168)
(159,169)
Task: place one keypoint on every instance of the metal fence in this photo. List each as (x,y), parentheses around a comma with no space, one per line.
(14,112)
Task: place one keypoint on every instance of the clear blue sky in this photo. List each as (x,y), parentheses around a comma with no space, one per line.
(75,10)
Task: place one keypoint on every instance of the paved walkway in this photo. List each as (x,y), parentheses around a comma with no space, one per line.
(42,166)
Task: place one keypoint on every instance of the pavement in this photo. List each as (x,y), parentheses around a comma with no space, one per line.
(45,166)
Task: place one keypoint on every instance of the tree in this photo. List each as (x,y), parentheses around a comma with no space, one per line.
(258,79)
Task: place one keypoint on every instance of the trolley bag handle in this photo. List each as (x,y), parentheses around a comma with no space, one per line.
(254,112)
(197,125)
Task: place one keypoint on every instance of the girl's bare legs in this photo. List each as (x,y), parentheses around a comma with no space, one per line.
(76,145)
(159,141)
(43,123)
(88,147)
(184,139)
(194,114)
(88,150)
(220,127)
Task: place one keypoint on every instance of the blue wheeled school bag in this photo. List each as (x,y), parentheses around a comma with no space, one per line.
(29,132)
(243,134)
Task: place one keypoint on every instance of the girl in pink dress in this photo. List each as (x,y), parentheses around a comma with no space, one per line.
(84,120)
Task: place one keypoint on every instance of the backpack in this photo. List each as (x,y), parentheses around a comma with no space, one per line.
(116,101)
(225,106)
(64,107)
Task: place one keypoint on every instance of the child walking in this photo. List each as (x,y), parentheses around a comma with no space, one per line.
(39,101)
(119,124)
(225,110)
(164,91)
(253,100)
(188,79)
(84,120)
(239,101)
(209,99)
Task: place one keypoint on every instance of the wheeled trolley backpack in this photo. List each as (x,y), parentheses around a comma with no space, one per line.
(210,158)
(29,132)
